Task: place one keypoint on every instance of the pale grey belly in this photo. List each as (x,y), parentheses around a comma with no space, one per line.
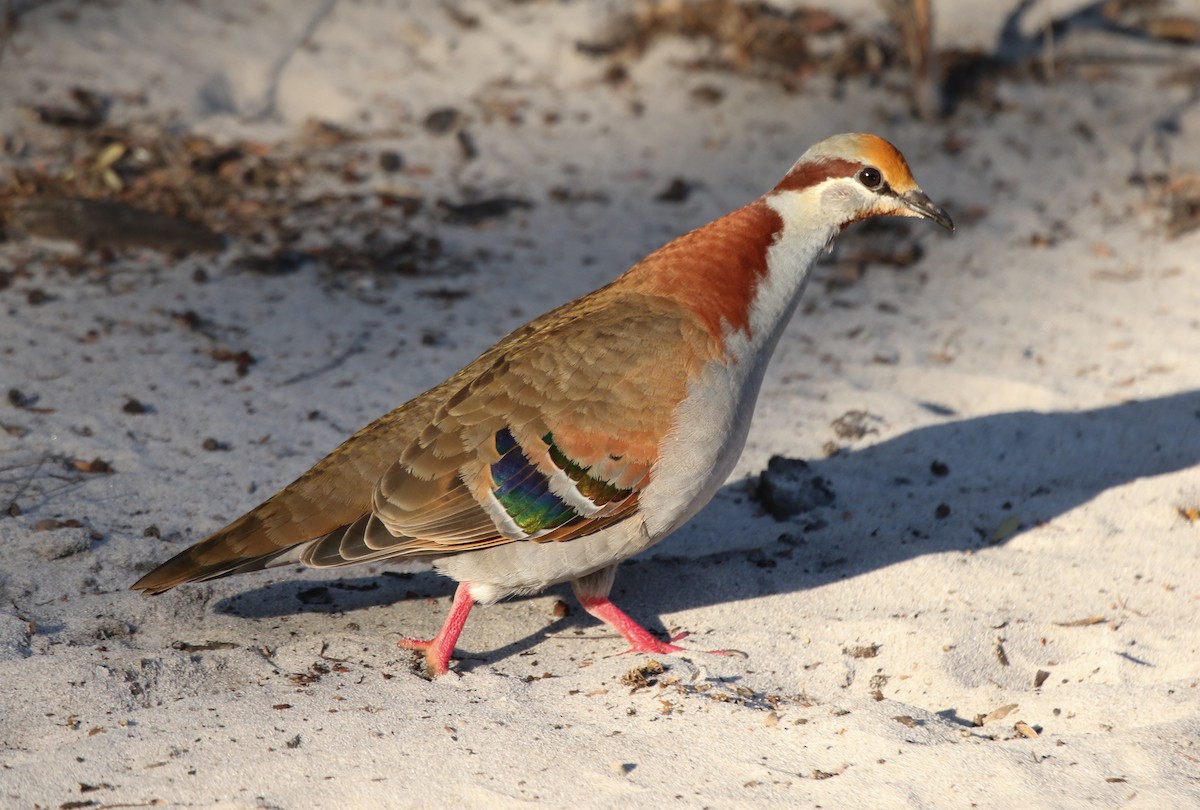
(526,566)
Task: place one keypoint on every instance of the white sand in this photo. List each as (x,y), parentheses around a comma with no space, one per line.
(1046,353)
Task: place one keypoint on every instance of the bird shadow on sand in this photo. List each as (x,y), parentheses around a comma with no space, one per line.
(963,484)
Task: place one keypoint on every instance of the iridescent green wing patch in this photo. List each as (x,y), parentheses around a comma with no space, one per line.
(597,491)
(523,491)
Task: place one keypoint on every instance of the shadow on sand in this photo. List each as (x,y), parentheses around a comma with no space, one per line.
(1033,466)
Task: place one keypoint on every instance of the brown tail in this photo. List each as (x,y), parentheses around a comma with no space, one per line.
(232,550)
(335,493)
(313,506)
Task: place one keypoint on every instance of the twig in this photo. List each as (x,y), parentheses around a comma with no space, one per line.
(1048,49)
(269,109)
(9,25)
(914,19)
(25,485)
(355,347)
(324,657)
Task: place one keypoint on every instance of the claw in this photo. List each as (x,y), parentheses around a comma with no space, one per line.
(436,664)
(439,648)
(639,638)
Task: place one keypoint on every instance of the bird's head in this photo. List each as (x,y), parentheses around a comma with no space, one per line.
(849,178)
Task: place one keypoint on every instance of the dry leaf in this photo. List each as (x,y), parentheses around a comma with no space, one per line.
(1175,29)
(1007,528)
(641,675)
(997,714)
(109,155)
(96,465)
(1001,655)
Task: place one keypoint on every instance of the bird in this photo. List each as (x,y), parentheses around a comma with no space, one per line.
(585,436)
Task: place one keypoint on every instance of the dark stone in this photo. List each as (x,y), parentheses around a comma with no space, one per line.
(788,488)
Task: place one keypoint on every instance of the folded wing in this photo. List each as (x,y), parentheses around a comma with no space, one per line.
(546,438)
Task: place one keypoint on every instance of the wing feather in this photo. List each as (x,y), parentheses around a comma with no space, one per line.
(584,395)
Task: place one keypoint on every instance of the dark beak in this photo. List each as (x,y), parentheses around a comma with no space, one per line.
(919,202)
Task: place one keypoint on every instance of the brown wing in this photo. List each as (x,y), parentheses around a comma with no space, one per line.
(550,443)
(547,436)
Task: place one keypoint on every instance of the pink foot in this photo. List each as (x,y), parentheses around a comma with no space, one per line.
(639,638)
(439,648)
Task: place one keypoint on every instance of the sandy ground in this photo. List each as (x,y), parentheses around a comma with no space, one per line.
(998,608)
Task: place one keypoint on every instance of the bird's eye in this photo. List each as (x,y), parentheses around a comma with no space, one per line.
(870,177)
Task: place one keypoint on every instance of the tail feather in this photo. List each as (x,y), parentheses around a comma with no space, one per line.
(237,548)
(347,545)
(331,496)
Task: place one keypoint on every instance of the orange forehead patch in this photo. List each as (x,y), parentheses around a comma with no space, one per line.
(877,152)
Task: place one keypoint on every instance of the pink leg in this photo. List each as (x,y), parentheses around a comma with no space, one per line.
(639,638)
(439,648)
